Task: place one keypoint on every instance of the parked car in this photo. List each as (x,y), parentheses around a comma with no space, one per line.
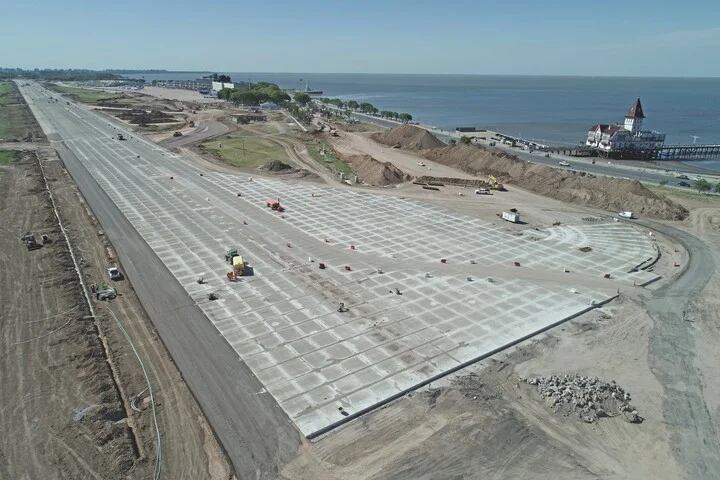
(563,163)
(114,273)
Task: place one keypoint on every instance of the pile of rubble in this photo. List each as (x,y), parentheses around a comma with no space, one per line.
(587,397)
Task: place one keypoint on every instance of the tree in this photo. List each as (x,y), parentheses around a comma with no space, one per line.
(353,105)
(465,139)
(367,107)
(302,98)
(702,185)
(663,182)
(405,117)
(717,188)
(247,98)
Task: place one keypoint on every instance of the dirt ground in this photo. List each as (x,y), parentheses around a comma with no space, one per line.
(74,396)
(188,446)
(62,411)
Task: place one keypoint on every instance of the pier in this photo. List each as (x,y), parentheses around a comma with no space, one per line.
(688,152)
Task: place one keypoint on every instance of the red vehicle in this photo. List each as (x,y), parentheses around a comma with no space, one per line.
(275,205)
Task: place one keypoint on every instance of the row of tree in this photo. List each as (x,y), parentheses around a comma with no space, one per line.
(253,94)
(57,74)
(368,108)
(703,186)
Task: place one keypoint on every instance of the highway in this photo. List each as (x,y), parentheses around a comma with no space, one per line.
(256,434)
(603,167)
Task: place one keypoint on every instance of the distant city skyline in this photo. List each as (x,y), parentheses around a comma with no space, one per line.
(513,37)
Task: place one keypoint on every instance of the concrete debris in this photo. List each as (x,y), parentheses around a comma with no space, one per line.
(589,398)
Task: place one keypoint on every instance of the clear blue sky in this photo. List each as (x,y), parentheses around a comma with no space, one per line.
(566,37)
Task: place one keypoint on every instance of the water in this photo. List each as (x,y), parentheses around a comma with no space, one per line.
(546,109)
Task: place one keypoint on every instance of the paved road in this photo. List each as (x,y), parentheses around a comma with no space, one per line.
(601,167)
(672,352)
(205,129)
(256,434)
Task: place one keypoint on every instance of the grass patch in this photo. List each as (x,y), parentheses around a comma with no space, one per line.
(325,156)
(16,120)
(249,152)
(8,156)
(85,95)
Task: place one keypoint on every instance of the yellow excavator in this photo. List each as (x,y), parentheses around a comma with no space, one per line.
(494,184)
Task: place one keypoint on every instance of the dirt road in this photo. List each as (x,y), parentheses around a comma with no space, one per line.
(673,358)
(61,409)
(189,448)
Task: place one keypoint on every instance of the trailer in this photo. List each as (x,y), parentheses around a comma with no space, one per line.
(511,217)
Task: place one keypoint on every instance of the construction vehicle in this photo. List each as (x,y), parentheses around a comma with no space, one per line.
(494,184)
(103,292)
(114,273)
(230,254)
(238,264)
(274,204)
(30,242)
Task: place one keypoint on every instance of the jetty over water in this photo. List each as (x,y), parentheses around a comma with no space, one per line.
(688,152)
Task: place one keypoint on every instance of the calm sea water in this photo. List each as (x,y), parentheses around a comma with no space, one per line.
(549,109)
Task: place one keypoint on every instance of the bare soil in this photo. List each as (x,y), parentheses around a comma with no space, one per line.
(62,411)
(408,137)
(375,173)
(572,187)
(188,446)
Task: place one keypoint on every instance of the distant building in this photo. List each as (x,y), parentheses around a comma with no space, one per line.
(217,86)
(626,140)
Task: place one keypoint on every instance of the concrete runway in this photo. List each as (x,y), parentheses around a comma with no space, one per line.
(254,431)
(171,222)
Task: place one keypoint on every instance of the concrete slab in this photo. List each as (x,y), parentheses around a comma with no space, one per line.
(321,365)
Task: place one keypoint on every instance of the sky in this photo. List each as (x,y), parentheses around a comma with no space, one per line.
(555,37)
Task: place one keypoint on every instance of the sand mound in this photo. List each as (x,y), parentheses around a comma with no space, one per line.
(608,193)
(408,137)
(373,172)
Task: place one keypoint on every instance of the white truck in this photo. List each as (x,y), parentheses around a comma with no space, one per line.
(114,273)
(626,215)
(511,217)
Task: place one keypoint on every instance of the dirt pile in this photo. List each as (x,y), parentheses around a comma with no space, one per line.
(276,166)
(374,172)
(408,137)
(608,193)
(587,397)
(145,117)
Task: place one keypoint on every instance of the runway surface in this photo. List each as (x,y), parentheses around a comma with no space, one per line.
(410,317)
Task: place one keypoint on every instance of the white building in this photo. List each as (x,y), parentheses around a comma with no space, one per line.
(217,86)
(626,140)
